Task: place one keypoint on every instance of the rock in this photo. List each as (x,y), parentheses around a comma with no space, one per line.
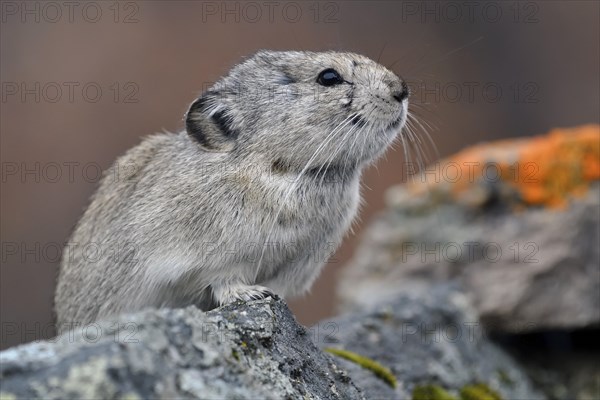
(521,240)
(572,372)
(258,351)
(428,340)
(240,351)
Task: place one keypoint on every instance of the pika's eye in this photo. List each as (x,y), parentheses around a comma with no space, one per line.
(329,77)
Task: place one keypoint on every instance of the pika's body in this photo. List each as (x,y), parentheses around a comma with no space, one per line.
(251,198)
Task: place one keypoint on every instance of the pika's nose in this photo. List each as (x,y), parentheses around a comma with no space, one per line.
(400,92)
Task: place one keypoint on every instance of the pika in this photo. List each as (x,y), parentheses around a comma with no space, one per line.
(247,201)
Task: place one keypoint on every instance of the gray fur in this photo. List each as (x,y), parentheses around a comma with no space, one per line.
(268,156)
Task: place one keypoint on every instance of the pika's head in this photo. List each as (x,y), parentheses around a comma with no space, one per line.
(302,109)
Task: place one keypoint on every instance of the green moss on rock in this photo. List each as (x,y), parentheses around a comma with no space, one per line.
(478,391)
(431,392)
(130,396)
(379,370)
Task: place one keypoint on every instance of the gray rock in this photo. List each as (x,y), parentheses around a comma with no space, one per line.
(258,351)
(242,351)
(427,339)
(525,270)
(562,375)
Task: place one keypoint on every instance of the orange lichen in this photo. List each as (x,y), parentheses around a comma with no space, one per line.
(543,170)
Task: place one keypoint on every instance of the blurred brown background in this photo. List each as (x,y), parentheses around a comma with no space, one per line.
(82,83)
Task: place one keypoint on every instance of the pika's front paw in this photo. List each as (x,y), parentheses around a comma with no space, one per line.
(230,293)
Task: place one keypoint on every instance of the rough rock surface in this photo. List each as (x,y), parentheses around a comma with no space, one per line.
(252,351)
(571,373)
(258,351)
(428,339)
(528,257)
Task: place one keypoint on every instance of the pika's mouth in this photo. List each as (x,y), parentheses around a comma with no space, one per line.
(395,124)
(360,121)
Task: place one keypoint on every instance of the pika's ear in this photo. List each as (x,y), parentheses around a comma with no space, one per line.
(208,123)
